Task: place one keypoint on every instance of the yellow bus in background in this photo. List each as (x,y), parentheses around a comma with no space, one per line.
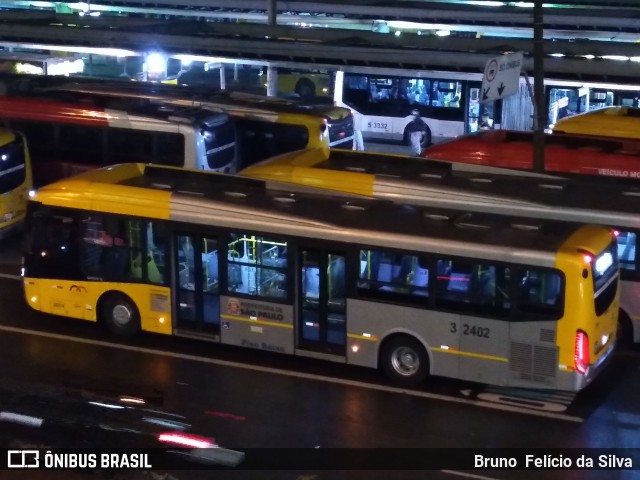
(15,181)
(620,122)
(412,291)
(305,84)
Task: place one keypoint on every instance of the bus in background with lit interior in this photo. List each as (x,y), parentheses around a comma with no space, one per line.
(68,138)
(449,102)
(479,188)
(563,153)
(15,181)
(414,291)
(27,63)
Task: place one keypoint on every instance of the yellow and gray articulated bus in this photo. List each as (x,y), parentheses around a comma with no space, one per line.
(408,289)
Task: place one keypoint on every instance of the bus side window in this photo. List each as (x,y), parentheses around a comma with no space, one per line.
(257,266)
(398,274)
(82,144)
(471,286)
(169,149)
(125,145)
(540,292)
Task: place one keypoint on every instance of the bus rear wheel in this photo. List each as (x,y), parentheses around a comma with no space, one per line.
(404,360)
(120,315)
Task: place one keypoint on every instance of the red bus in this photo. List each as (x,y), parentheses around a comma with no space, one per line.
(564,153)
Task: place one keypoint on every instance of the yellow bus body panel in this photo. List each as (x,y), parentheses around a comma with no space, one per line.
(301,168)
(604,122)
(97,190)
(579,297)
(79,299)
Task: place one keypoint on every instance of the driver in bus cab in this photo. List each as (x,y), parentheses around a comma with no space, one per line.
(417,129)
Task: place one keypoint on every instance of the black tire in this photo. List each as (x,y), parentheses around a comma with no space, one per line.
(120,315)
(624,336)
(305,88)
(404,360)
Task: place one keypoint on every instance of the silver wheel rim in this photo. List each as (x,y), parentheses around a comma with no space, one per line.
(122,315)
(405,361)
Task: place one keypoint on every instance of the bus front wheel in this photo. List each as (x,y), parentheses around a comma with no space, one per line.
(404,360)
(120,314)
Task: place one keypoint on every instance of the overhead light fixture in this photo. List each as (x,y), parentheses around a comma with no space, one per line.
(443,33)
(620,58)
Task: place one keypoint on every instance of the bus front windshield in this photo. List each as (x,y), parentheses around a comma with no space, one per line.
(220,144)
(12,165)
(605,271)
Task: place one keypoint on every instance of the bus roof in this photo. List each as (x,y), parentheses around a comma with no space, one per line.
(81,112)
(235,202)
(564,153)
(524,139)
(475,188)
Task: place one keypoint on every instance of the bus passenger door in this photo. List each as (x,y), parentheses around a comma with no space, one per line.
(197,289)
(322,308)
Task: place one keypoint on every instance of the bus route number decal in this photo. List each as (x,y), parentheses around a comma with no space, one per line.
(378,125)
(472,330)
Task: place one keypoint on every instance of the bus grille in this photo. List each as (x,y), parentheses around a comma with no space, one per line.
(534,363)
(547,335)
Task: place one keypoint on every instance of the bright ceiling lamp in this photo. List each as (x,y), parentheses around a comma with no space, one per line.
(487,4)
(620,58)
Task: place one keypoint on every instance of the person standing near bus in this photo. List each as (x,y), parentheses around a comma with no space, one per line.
(417,129)
(358,141)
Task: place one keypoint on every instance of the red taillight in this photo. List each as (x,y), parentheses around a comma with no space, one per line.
(185,440)
(615,233)
(581,352)
(587,258)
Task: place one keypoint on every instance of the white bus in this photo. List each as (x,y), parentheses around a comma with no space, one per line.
(450,102)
